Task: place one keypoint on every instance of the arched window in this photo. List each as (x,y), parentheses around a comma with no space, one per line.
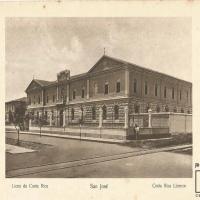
(74,94)
(72,113)
(37,115)
(135,85)
(172,93)
(104,112)
(166,108)
(157,108)
(147,108)
(45,115)
(116,112)
(118,86)
(93,113)
(137,108)
(175,110)
(83,93)
(145,88)
(82,113)
(52,113)
(165,92)
(106,88)
(156,90)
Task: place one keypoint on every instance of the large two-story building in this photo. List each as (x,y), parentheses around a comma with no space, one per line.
(11,106)
(109,89)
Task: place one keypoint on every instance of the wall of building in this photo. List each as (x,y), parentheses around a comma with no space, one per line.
(50,92)
(77,86)
(34,96)
(161,101)
(111,78)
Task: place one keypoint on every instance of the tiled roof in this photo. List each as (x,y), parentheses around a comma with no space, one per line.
(43,82)
(23,99)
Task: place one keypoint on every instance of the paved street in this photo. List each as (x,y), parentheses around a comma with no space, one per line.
(92,159)
(60,150)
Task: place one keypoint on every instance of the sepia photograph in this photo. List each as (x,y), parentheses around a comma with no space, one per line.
(98,97)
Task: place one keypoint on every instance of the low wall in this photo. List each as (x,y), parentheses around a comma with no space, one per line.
(175,122)
(157,120)
(180,123)
(147,133)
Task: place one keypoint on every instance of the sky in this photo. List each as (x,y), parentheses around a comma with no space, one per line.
(42,47)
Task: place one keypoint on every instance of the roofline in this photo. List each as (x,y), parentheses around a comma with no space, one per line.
(147,69)
(126,64)
(17,100)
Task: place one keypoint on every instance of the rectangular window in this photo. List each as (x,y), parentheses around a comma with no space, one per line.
(118,86)
(106,89)
(74,94)
(172,93)
(135,86)
(145,88)
(83,93)
(47,99)
(180,95)
(165,92)
(72,114)
(187,95)
(45,115)
(38,99)
(156,90)
(95,88)
(53,98)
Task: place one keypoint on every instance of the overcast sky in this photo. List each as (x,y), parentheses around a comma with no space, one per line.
(41,47)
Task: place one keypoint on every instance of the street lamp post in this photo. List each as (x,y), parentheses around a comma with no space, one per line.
(81,120)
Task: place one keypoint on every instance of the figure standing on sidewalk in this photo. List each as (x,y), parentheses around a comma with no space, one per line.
(137,130)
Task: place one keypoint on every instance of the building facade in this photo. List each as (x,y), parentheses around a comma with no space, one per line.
(11,106)
(106,95)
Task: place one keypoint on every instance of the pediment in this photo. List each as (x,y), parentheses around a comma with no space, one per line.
(105,63)
(33,86)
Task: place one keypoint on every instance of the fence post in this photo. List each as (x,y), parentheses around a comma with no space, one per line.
(50,119)
(100,117)
(64,118)
(30,123)
(149,111)
(126,117)
(185,124)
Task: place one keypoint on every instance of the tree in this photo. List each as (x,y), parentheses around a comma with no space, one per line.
(18,119)
(10,117)
(41,122)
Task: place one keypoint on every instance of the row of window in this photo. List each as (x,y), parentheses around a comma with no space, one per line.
(158,109)
(156,90)
(104,109)
(118,89)
(115,114)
